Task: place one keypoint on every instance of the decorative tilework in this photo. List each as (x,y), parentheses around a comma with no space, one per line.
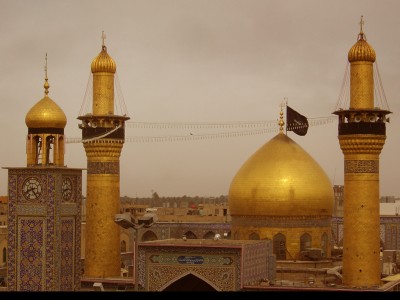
(67,254)
(160,275)
(282,222)
(97,167)
(68,209)
(30,262)
(58,263)
(31,210)
(361,166)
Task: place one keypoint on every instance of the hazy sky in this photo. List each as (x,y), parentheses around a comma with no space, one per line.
(195,61)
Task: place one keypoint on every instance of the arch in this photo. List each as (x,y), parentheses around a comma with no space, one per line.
(209,235)
(149,236)
(38,149)
(123,246)
(305,241)
(49,160)
(324,244)
(254,236)
(190,235)
(279,246)
(189,281)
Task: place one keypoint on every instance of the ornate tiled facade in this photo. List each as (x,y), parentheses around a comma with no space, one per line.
(225,266)
(44,231)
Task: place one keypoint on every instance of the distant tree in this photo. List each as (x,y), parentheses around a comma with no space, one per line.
(155,196)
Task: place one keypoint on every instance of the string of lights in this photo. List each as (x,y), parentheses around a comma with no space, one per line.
(252,128)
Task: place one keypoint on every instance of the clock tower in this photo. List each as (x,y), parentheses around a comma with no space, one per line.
(44,212)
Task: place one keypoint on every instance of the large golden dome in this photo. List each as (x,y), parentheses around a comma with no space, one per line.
(103,62)
(45,114)
(281,179)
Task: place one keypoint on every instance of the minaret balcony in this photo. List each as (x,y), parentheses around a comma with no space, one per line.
(376,128)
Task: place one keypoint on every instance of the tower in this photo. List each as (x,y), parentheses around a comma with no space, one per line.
(44,222)
(362,134)
(103,135)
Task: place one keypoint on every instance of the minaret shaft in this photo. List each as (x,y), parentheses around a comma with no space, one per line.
(361,85)
(102,257)
(103,93)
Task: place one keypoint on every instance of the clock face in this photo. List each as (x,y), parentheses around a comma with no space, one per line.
(32,188)
(67,188)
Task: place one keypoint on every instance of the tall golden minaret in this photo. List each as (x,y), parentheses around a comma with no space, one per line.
(103,135)
(362,134)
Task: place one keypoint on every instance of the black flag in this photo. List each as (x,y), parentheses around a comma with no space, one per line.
(296,122)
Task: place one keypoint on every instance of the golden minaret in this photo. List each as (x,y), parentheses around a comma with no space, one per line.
(103,135)
(362,134)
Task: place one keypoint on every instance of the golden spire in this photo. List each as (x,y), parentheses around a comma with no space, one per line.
(281,122)
(361,35)
(361,25)
(103,37)
(46,83)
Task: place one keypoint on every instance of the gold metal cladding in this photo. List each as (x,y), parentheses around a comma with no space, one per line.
(361,85)
(103,94)
(45,114)
(362,143)
(292,235)
(361,51)
(280,179)
(102,252)
(361,252)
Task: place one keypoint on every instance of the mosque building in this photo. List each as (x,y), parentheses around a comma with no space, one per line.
(281,193)
(44,206)
(280,202)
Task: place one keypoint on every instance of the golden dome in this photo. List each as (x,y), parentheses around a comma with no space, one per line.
(281,179)
(45,114)
(103,62)
(361,51)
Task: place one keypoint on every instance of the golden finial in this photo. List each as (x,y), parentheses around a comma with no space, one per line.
(361,25)
(281,122)
(46,83)
(361,35)
(103,37)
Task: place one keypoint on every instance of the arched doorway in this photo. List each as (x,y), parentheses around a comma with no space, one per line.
(189,282)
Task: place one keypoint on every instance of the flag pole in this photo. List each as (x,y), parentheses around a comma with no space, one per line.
(286,103)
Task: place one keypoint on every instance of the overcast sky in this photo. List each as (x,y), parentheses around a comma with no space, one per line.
(195,61)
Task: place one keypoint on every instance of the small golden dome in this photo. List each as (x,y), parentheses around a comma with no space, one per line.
(103,62)
(361,51)
(281,179)
(46,114)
